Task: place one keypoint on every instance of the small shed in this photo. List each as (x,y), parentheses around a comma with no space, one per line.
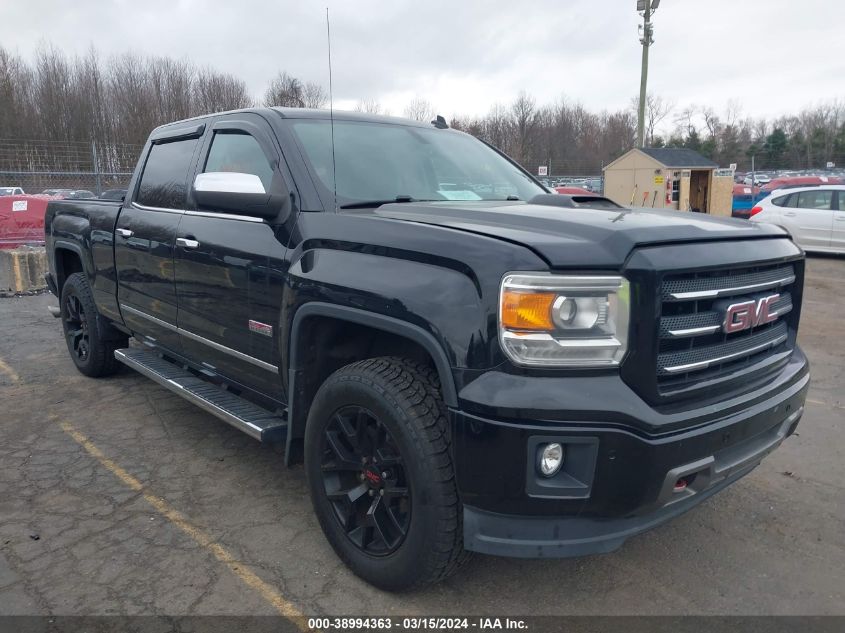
(669,178)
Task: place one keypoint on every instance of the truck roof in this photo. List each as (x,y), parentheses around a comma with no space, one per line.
(346,115)
(308,113)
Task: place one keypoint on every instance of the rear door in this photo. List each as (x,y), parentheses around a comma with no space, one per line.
(222,265)
(145,237)
(809,217)
(837,237)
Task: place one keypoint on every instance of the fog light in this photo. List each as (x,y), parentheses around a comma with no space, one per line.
(551,459)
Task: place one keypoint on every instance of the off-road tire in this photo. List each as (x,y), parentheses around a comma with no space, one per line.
(101,339)
(405,397)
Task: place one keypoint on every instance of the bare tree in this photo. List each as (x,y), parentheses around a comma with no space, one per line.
(761,129)
(67,102)
(733,110)
(686,120)
(618,133)
(285,90)
(314,95)
(524,113)
(419,109)
(470,125)
(497,127)
(171,82)
(656,110)
(371,106)
(216,92)
(711,121)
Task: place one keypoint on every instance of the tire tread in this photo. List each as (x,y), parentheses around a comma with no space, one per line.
(102,360)
(413,390)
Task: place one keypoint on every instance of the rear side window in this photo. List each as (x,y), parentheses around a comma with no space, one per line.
(241,153)
(780,201)
(163,183)
(841,196)
(817,199)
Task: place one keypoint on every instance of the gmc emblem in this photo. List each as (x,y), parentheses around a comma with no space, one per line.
(260,328)
(741,316)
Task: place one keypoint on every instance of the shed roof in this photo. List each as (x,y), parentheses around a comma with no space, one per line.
(678,157)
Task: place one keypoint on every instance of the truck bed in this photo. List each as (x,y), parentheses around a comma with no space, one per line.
(85,228)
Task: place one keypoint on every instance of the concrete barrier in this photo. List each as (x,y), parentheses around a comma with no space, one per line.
(22,269)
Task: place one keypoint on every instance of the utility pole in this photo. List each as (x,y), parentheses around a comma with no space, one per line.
(647,39)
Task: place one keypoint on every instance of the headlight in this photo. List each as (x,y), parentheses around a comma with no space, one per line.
(557,320)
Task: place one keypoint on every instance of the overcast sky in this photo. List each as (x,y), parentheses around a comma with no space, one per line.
(774,56)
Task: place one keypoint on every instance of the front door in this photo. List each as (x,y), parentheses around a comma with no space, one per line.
(145,238)
(222,266)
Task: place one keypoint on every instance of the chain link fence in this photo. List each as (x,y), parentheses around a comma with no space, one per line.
(37,166)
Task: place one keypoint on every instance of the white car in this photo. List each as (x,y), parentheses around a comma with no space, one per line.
(758,181)
(815,216)
(11,191)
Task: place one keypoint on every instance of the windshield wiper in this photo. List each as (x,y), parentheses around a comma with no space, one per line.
(377,203)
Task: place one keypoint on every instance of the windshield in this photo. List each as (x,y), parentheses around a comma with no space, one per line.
(379,162)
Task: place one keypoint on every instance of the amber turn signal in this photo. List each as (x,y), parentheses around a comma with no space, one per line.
(527,310)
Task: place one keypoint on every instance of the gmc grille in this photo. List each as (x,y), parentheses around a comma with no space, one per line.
(693,348)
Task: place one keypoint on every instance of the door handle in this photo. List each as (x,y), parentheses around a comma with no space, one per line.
(187,243)
(789,215)
(124,232)
(840,218)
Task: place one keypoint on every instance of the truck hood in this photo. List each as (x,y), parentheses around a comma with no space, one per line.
(570,237)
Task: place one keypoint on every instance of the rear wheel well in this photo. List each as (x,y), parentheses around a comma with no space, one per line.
(324,345)
(67,263)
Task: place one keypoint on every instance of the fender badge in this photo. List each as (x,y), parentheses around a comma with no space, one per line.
(260,328)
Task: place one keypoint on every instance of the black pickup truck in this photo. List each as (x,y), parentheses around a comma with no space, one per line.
(463,361)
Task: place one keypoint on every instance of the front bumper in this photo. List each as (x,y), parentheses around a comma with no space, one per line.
(621,479)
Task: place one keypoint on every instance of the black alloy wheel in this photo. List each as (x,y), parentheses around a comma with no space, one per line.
(380,474)
(76,328)
(364,478)
(91,340)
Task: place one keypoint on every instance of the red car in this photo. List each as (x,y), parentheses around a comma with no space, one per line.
(22,220)
(798,181)
(578,191)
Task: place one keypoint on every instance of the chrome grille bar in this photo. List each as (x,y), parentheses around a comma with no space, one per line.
(723,292)
(703,357)
(722,283)
(704,364)
(694,331)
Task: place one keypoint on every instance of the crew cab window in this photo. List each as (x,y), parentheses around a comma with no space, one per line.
(239,152)
(163,183)
(817,199)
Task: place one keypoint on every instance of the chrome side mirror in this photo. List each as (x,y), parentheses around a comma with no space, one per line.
(241,194)
(228,182)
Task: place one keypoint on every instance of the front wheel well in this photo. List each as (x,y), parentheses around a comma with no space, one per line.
(324,344)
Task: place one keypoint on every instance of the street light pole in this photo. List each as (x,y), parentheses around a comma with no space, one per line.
(647,40)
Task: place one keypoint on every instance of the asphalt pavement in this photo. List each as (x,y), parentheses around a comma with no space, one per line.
(117,497)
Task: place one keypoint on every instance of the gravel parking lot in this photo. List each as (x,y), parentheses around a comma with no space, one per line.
(117,497)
